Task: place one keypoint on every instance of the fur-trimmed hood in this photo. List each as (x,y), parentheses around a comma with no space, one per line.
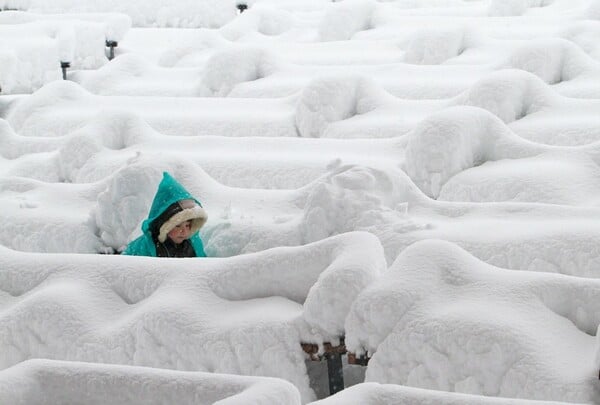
(176,213)
(172,205)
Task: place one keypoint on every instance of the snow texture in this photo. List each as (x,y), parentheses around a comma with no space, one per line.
(54,382)
(419,318)
(156,13)
(242,315)
(420,177)
(388,394)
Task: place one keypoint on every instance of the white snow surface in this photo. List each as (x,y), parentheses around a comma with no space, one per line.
(143,13)
(388,394)
(243,315)
(418,319)
(418,177)
(55,382)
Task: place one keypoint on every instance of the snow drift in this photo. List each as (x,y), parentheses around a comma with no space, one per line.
(441,319)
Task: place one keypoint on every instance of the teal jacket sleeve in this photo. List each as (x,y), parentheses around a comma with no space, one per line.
(141,246)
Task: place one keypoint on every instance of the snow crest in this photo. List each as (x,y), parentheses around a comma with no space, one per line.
(552,60)
(343,20)
(242,315)
(51,381)
(326,100)
(456,139)
(433,47)
(226,68)
(419,317)
(509,94)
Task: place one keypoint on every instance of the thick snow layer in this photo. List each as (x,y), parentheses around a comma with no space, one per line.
(347,197)
(36,44)
(115,25)
(344,19)
(250,71)
(441,319)
(243,315)
(532,110)
(384,202)
(299,124)
(390,394)
(63,106)
(52,382)
(555,178)
(156,13)
(29,58)
(109,141)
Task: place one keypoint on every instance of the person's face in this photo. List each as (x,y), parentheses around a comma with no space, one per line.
(181,232)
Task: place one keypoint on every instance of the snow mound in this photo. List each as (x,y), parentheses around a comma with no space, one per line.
(329,99)
(28,60)
(593,10)
(597,357)
(82,43)
(124,67)
(354,197)
(390,394)
(115,129)
(8,75)
(109,130)
(441,319)
(124,204)
(584,34)
(435,46)
(548,178)
(71,158)
(74,154)
(115,25)
(64,106)
(81,37)
(49,381)
(344,19)
(456,139)
(47,217)
(45,98)
(157,13)
(192,50)
(242,315)
(552,60)
(229,67)
(508,8)
(13,146)
(509,94)
(264,19)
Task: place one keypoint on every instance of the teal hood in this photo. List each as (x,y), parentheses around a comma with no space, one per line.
(169,192)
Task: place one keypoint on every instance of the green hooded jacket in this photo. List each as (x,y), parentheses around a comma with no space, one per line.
(169,192)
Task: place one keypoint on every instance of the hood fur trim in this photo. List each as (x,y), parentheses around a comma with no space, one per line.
(196,214)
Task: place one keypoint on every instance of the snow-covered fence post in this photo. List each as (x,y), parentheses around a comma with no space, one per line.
(335,372)
(111,44)
(362,360)
(333,355)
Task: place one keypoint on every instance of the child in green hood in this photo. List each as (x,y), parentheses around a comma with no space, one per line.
(171,229)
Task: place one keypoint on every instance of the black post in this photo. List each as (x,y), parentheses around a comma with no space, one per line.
(64,66)
(242,7)
(111,48)
(335,372)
